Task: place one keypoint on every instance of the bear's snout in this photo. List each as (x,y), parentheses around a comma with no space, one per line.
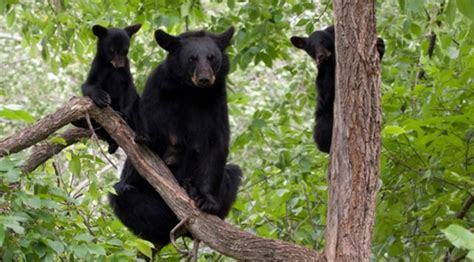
(203,76)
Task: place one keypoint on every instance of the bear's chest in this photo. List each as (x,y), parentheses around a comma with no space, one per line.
(115,82)
(199,122)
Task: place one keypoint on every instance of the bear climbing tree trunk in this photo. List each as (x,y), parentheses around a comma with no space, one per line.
(355,152)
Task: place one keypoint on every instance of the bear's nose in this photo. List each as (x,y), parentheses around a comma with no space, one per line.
(204,81)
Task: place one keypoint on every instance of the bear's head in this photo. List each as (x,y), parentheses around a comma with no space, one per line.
(113,43)
(319,45)
(197,58)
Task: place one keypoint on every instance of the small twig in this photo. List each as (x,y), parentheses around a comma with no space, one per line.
(95,138)
(460,258)
(194,257)
(467,204)
(173,235)
(57,173)
(85,221)
(186,19)
(85,183)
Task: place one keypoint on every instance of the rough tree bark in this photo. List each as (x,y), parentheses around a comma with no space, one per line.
(355,152)
(216,233)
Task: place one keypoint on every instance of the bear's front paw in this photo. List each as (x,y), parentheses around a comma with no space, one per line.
(101,98)
(123,116)
(122,187)
(208,205)
(112,148)
(141,139)
(206,202)
(380,47)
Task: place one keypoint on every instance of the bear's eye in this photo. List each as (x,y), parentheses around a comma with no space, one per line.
(211,57)
(193,58)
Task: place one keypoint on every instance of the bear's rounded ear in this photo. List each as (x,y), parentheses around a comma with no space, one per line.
(223,40)
(131,30)
(299,42)
(166,41)
(99,30)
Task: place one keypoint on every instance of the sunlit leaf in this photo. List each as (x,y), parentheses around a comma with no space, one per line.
(144,247)
(466,7)
(459,236)
(393,130)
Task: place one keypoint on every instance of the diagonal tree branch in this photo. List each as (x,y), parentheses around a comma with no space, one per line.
(71,111)
(216,233)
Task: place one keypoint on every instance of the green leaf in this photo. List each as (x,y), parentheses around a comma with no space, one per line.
(2,234)
(96,249)
(115,242)
(75,165)
(231,4)
(7,164)
(33,202)
(56,246)
(186,8)
(459,236)
(15,227)
(11,176)
(470,255)
(402,4)
(451,11)
(393,130)
(84,237)
(3,6)
(16,114)
(415,6)
(81,251)
(466,7)
(57,140)
(144,247)
(11,17)
(415,29)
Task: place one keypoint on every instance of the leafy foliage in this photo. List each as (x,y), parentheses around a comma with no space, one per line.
(59,212)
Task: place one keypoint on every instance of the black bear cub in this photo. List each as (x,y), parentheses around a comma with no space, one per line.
(320,46)
(110,82)
(184,108)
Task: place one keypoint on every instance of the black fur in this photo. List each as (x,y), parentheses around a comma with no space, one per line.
(184,107)
(320,46)
(110,82)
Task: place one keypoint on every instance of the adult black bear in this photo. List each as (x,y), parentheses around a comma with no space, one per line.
(320,46)
(110,82)
(184,108)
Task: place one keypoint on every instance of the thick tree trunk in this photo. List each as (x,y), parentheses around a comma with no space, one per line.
(355,152)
